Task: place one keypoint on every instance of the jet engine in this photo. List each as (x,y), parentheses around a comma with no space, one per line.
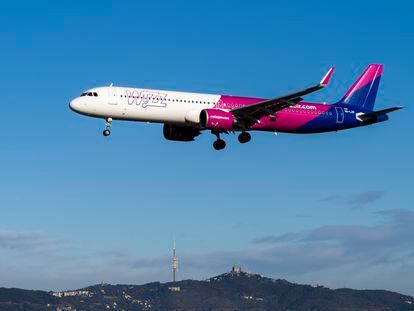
(180,133)
(216,119)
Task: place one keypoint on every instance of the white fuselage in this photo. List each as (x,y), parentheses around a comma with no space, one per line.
(134,104)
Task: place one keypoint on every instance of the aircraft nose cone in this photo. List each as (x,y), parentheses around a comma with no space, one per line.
(74,105)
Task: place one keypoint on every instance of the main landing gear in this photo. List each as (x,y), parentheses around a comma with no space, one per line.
(219,144)
(108,123)
(244,137)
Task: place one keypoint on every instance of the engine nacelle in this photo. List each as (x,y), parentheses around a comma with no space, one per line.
(180,133)
(216,119)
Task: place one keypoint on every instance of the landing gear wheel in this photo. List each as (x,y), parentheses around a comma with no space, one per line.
(108,123)
(219,144)
(106,133)
(244,137)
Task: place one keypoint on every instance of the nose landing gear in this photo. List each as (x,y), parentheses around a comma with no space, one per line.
(108,123)
(244,137)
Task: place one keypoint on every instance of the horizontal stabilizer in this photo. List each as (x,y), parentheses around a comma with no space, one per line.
(367,116)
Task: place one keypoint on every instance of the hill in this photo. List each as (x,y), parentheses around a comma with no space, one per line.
(235,290)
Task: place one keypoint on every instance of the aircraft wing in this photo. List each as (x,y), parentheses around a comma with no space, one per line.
(254,112)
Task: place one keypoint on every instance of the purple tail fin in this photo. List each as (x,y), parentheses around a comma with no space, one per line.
(364,91)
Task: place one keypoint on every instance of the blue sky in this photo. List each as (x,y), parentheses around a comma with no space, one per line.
(77,208)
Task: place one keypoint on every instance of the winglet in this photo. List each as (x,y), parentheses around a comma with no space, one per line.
(325,80)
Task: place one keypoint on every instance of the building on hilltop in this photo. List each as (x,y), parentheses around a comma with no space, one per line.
(236,270)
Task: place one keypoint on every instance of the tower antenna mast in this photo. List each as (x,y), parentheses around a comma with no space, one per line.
(174,263)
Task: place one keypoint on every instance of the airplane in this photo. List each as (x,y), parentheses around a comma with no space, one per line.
(186,115)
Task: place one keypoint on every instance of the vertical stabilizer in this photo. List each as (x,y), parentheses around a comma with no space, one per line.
(364,91)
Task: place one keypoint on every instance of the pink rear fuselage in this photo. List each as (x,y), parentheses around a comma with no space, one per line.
(292,119)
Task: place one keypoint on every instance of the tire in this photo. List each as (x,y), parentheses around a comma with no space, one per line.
(106,133)
(244,137)
(219,144)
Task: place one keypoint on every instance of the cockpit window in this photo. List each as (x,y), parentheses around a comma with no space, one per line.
(89,94)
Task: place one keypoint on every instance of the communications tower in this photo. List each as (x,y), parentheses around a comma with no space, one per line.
(174,264)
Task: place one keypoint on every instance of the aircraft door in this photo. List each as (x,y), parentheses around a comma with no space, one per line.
(340,115)
(112,96)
